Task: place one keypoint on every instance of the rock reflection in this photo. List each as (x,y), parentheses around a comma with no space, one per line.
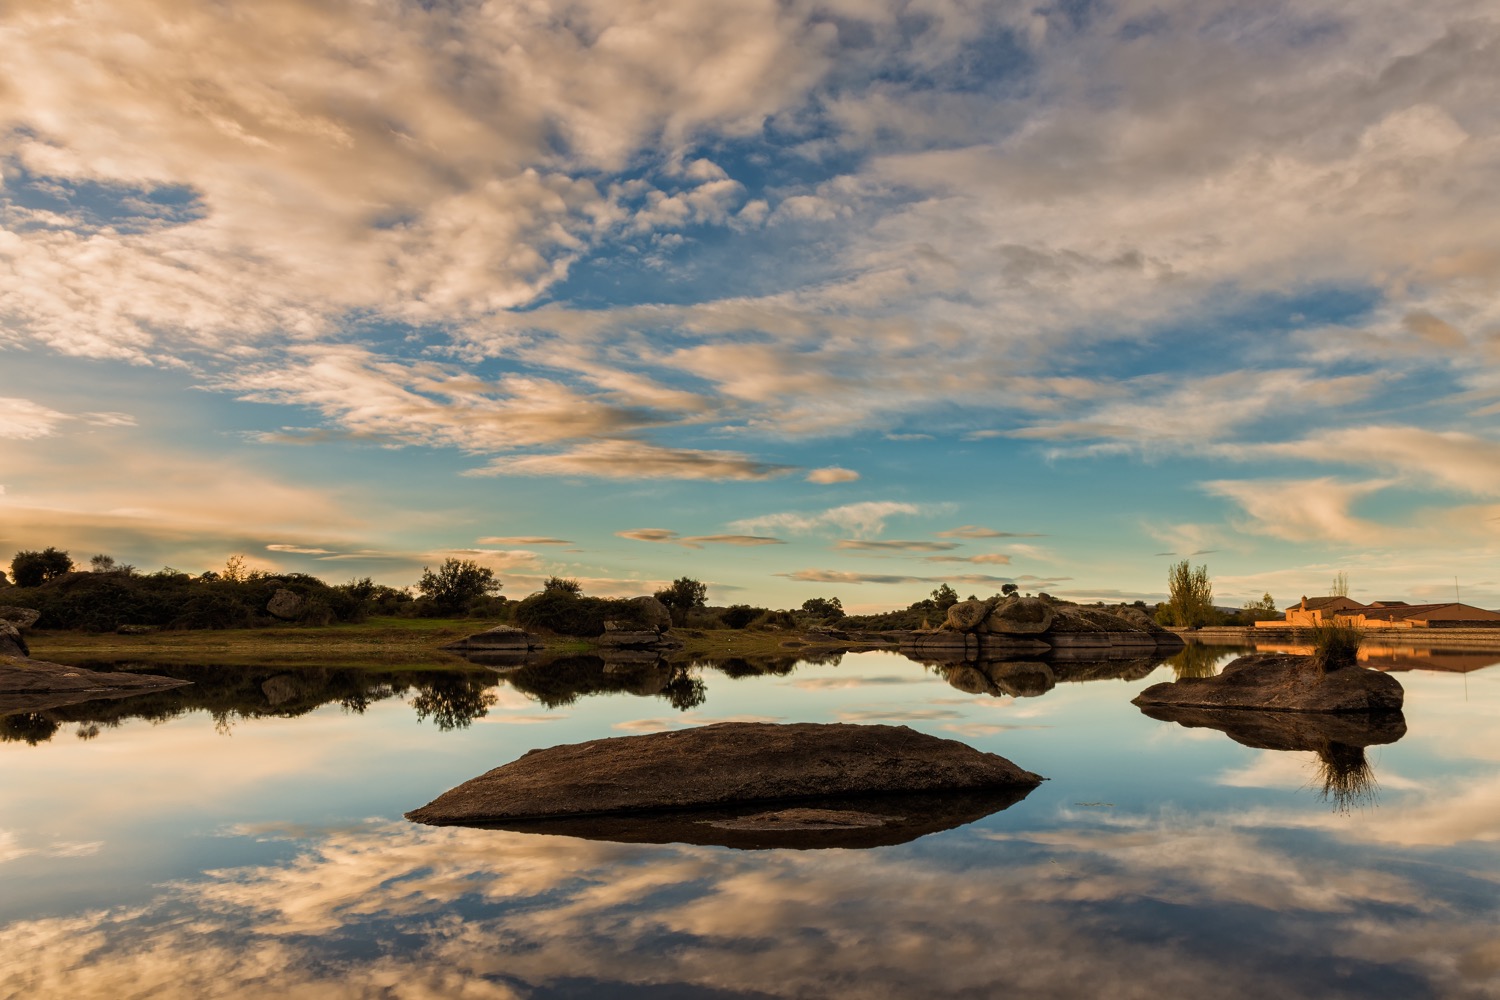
(1339,740)
(807,824)
(1033,678)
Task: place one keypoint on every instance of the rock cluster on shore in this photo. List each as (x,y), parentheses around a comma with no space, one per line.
(1015,626)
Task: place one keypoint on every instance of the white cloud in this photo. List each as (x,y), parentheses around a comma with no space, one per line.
(1303,510)
(863,519)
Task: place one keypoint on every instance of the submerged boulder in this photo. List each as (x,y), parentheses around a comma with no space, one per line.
(1282,682)
(718,766)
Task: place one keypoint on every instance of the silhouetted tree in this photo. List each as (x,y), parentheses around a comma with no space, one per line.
(1008,589)
(557,584)
(102,563)
(32,569)
(944,597)
(826,608)
(683,596)
(1340,586)
(456,583)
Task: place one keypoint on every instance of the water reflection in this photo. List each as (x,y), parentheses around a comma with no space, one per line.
(1339,740)
(452,700)
(1198,660)
(846,822)
(1094,909)
(1033,678)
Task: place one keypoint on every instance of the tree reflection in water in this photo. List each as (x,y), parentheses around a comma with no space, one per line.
(1196,660)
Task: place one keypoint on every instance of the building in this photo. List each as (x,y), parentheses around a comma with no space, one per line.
(1311,612)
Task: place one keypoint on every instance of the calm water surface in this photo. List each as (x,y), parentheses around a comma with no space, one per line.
(244,838)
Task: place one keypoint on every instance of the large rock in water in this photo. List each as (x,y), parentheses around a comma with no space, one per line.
(1281,682)
(724,765)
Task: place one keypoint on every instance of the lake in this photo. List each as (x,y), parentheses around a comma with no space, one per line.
(244,838)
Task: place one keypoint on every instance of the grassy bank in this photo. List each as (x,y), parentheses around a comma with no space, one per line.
(407,643)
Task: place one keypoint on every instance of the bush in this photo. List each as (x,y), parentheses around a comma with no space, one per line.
(566,613)
(1335,646)
(455,584)
(740,615)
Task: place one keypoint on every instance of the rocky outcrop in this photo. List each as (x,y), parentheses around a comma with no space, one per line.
(28,685)
(500,639)
(1016,626)
(1018,616)
(284,604)
(629,635)
(21,618)
(651,613)
(1280,682)
(11,642)
(713,767)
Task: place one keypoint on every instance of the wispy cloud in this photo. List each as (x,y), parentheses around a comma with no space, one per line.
(667,536)
(832,474)
(522,540)
(862,545)
(974,531)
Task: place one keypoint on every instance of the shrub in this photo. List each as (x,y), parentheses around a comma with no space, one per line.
(1335,646)
(566,613)
(455,584)
(740,615)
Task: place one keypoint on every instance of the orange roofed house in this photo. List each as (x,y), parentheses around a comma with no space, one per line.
(1314,611)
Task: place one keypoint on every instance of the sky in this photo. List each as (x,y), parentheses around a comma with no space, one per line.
(801,299)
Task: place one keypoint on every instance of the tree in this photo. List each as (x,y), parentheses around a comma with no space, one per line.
(944,597)
(1190,600)
(32,569)
(683,596)
(102,563)
(826,608)
(1340,586)
(456,583)
(1263,610)
(1008,589)
(557,584)
(234,570)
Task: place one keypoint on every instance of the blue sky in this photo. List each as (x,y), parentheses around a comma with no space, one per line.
(801,299)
